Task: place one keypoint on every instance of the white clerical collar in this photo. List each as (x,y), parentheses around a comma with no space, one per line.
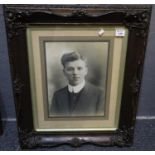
(76,89)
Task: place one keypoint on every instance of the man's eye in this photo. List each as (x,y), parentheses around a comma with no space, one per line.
(69,69)
(79,68)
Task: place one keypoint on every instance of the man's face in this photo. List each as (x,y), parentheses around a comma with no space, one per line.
(75,71)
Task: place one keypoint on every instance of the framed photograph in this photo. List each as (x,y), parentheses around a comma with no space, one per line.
(76,72)
(76,86)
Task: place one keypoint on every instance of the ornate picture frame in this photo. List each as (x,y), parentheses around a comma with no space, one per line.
(31,27)
(1,129)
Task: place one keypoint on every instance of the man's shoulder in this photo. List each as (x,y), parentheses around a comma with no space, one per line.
(94,88)
(61,91)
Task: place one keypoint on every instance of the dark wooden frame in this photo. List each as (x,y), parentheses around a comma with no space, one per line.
(135,17)
(1,129)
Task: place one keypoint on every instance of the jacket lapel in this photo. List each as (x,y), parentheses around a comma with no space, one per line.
(81,101)
(65,101)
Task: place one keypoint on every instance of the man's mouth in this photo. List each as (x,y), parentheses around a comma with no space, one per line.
(76,77)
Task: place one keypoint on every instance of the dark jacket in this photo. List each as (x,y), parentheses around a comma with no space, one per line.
(89,102)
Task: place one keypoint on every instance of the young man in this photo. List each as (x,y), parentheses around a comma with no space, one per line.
(79,98)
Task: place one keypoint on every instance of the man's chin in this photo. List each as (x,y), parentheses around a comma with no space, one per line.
(75,83)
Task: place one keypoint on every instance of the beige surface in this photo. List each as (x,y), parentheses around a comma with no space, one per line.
(37,88)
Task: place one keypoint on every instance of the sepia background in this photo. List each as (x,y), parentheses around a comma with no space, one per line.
(95,52)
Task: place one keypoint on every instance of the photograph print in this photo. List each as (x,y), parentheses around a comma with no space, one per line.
(76,74)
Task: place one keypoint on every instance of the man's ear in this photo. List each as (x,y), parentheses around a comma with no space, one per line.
(64,71)
(86,70)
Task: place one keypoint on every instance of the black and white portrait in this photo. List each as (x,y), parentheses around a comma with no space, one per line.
(76,77)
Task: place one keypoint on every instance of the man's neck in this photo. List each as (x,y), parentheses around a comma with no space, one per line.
(77,88)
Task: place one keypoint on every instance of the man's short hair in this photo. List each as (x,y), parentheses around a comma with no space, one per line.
(68,57)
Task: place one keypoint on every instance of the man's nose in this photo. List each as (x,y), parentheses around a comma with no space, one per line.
(75,71)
